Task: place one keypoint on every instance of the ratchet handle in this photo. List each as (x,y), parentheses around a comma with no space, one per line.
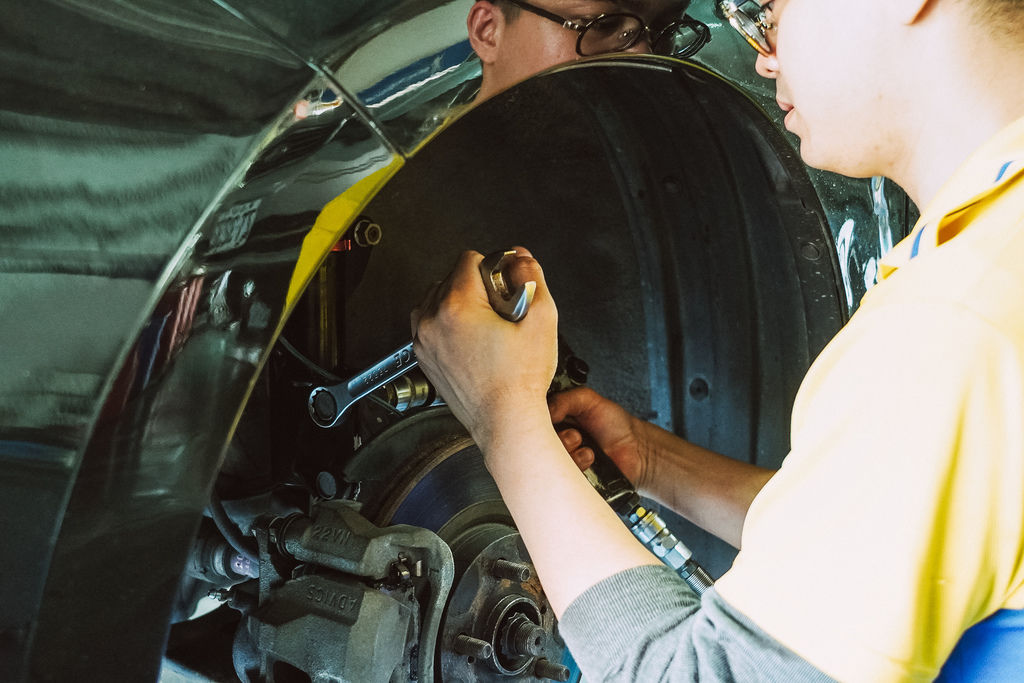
(609,481)
(605,476)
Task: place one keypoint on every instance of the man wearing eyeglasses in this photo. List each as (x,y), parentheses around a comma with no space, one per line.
(890,546)
(516,39)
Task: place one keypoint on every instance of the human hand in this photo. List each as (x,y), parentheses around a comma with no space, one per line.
(492,373)
(608,424)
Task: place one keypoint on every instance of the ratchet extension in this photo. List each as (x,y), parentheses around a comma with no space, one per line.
(646,525)
(327,404)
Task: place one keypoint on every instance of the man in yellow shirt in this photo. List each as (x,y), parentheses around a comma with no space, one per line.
(890,545)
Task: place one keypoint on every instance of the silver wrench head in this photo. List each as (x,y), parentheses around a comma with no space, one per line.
(511,304)
(323,407)
(327,404)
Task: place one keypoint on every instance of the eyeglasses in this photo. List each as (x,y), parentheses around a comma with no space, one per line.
(620,31)
(754,21)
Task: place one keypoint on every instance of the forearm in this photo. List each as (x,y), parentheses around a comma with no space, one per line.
(574,538)
(711,490)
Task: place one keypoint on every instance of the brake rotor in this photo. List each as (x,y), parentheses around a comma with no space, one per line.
(498,626)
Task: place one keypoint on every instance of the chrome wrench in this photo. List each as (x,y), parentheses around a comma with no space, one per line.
(327,404)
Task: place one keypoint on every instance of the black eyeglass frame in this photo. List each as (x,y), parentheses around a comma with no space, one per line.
(700,29)
(759,40)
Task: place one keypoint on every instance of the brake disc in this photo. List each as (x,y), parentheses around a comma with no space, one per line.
(498,626)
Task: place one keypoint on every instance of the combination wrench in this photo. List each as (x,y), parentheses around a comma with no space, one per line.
(327,404)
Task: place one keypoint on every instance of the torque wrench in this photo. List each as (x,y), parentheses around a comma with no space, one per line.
(327,404)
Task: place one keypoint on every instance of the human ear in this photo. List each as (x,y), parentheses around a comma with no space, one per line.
(485,23)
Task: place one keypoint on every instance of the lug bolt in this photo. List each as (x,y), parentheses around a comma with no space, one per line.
(473,647)
(513,571)
(546,669)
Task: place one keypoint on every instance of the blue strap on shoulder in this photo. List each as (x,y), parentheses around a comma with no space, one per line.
(991,651)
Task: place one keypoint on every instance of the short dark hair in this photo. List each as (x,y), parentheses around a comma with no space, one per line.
(1004,14)
(1008,5)
(510,11)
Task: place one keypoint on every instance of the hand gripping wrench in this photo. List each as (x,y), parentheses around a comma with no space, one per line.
(327,404)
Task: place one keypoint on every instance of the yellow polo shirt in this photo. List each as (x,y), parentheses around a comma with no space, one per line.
(897,520)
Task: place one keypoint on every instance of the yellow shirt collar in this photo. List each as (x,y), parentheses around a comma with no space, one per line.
(990,168)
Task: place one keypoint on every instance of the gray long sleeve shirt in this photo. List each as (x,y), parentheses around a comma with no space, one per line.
(645,624)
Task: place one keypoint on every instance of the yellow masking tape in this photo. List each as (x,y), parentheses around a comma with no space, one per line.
(332,223)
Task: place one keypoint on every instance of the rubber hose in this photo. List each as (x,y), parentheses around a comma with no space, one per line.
(246,547)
